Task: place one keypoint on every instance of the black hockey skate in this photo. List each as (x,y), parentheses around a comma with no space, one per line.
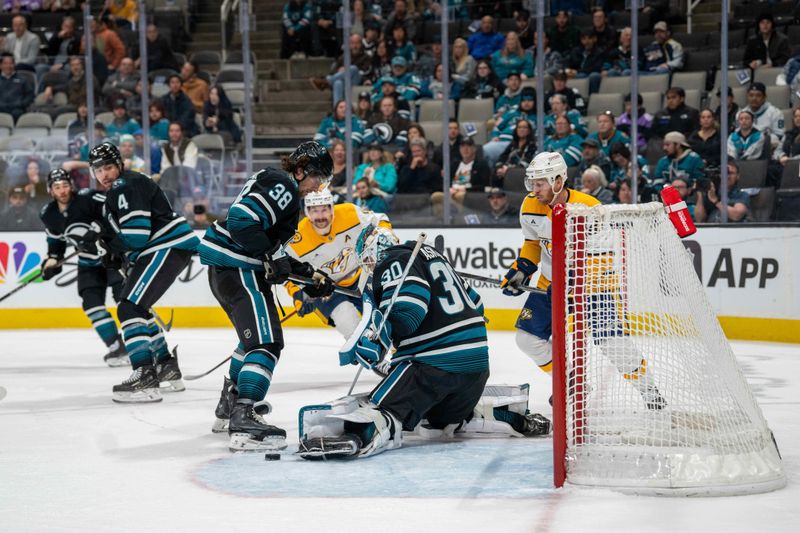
(140,387)
(333,447)
(117,356)
(227,399)
(249,432)
(535,425)
(653,399)
(169,373)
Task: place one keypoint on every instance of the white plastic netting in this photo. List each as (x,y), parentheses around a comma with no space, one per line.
(655,396)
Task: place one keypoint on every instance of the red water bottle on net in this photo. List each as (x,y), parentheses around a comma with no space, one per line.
(678,211)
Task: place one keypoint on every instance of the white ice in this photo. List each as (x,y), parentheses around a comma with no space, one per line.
(71,460)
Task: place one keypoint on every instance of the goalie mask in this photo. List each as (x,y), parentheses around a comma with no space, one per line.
(371,246)
(548,166)
(320,222)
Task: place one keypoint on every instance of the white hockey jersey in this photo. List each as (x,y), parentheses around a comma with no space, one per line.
(768,119)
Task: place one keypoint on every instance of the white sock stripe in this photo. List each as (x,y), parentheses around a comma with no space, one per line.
(257,369)
(98,323)
(134,321)
(94,309)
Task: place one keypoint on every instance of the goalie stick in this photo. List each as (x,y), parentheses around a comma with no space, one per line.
(37,276)
(497,282)
(420,241)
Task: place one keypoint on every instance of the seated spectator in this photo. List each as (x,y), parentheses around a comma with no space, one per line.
(768,118)
(361,18)
(706,141)
(463,64)
(553,61)
(790,148)
(500,211)
(195,87)
(364,107)
(587,60)
(76,84)
(605,34)
(77,126)
(747,142)
(334,126)
(339,155)
(121,84)
(35,183)
(709,204)
(768,47)
(407,84)
(733,110)
(520,152)
(365,198)
(378,171)
(16,93)
(679,161)
(435,88)
(524,28)
(19,216)
(107,41)
(688,195)
(677,116)
(381,62)
(510,98)
(82,141)
(624,193)
(592,155)
(564,141)
(360,68)
(324,38)
(298,16)
(512,58)
(159,52)
(564,36)
(179,151)
(665,54)
(372,35)
(559,106)
(485,84)
(159,124)
(403,17)
(607,133)
(387,127)
(593,183)
(503,131)
(427,60)
(63,44)
(22,44)
(484,43)
(454,139)
(644,121)
(470,175)
(121,124)
(618,59)
(400,46)
(415,131)
(420,175)
(179,107)
(218,116)
(127,149)
(574,98)
(621,167)
(388,87)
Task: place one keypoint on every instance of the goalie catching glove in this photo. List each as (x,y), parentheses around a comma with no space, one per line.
(518,276)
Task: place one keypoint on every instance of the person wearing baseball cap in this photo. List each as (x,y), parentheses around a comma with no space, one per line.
(664,54)
(592,154)
(574,98)
(19,215)
(679,161)
(122,123)
(767,118)
(767,47)
(500,211)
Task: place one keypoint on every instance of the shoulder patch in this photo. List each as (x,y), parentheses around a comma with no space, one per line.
(85,192)
(297,238)
(119,182)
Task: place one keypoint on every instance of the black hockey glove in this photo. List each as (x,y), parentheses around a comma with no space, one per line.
(277,266)
(322,285)
(88,241)
(50,268)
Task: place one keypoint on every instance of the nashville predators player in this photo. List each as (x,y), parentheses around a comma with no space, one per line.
(326,239)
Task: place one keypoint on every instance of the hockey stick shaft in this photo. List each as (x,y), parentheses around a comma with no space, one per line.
(420,241)
(497,282)
(36,277)
(204,374)
(341,290)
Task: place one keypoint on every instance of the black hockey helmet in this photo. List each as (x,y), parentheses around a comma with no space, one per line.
(313,158)
(103,154)
(59,174)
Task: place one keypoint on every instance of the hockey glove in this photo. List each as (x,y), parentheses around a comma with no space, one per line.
(322,287)
(303,303)
(277,266)
(518,276)
(375,342)
(50,268)
(87,241)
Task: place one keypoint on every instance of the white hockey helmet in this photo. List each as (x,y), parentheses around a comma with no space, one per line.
(546,165)
(323,197)
(371,245)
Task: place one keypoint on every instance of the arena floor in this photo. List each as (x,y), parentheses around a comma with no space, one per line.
(71,460)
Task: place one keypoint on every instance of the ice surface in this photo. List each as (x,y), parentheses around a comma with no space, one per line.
(71,460)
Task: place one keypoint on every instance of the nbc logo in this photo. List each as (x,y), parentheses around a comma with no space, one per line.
(25,263)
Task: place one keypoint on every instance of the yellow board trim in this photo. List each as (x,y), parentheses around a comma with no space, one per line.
(736,328)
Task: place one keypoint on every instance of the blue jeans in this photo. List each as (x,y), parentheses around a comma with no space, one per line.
(337,82)
(594,80)
(493,150)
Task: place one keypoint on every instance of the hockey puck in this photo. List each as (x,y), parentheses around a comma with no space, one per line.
(272,457)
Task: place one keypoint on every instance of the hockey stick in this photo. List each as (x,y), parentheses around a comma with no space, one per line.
(160,321)
(497,282)
(337,288)
(37,276)
(204,374)
(420,241)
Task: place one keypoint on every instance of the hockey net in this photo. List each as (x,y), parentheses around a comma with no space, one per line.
(648,395)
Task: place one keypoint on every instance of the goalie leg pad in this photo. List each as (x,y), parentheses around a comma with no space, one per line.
(538,349)
(503,410)
(333,447)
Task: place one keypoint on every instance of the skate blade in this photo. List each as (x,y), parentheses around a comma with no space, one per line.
(115,362)
(243,442)
(220,426)
(175,385)
(143,396)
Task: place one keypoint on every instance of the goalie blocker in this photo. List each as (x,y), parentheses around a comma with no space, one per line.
(352,426)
